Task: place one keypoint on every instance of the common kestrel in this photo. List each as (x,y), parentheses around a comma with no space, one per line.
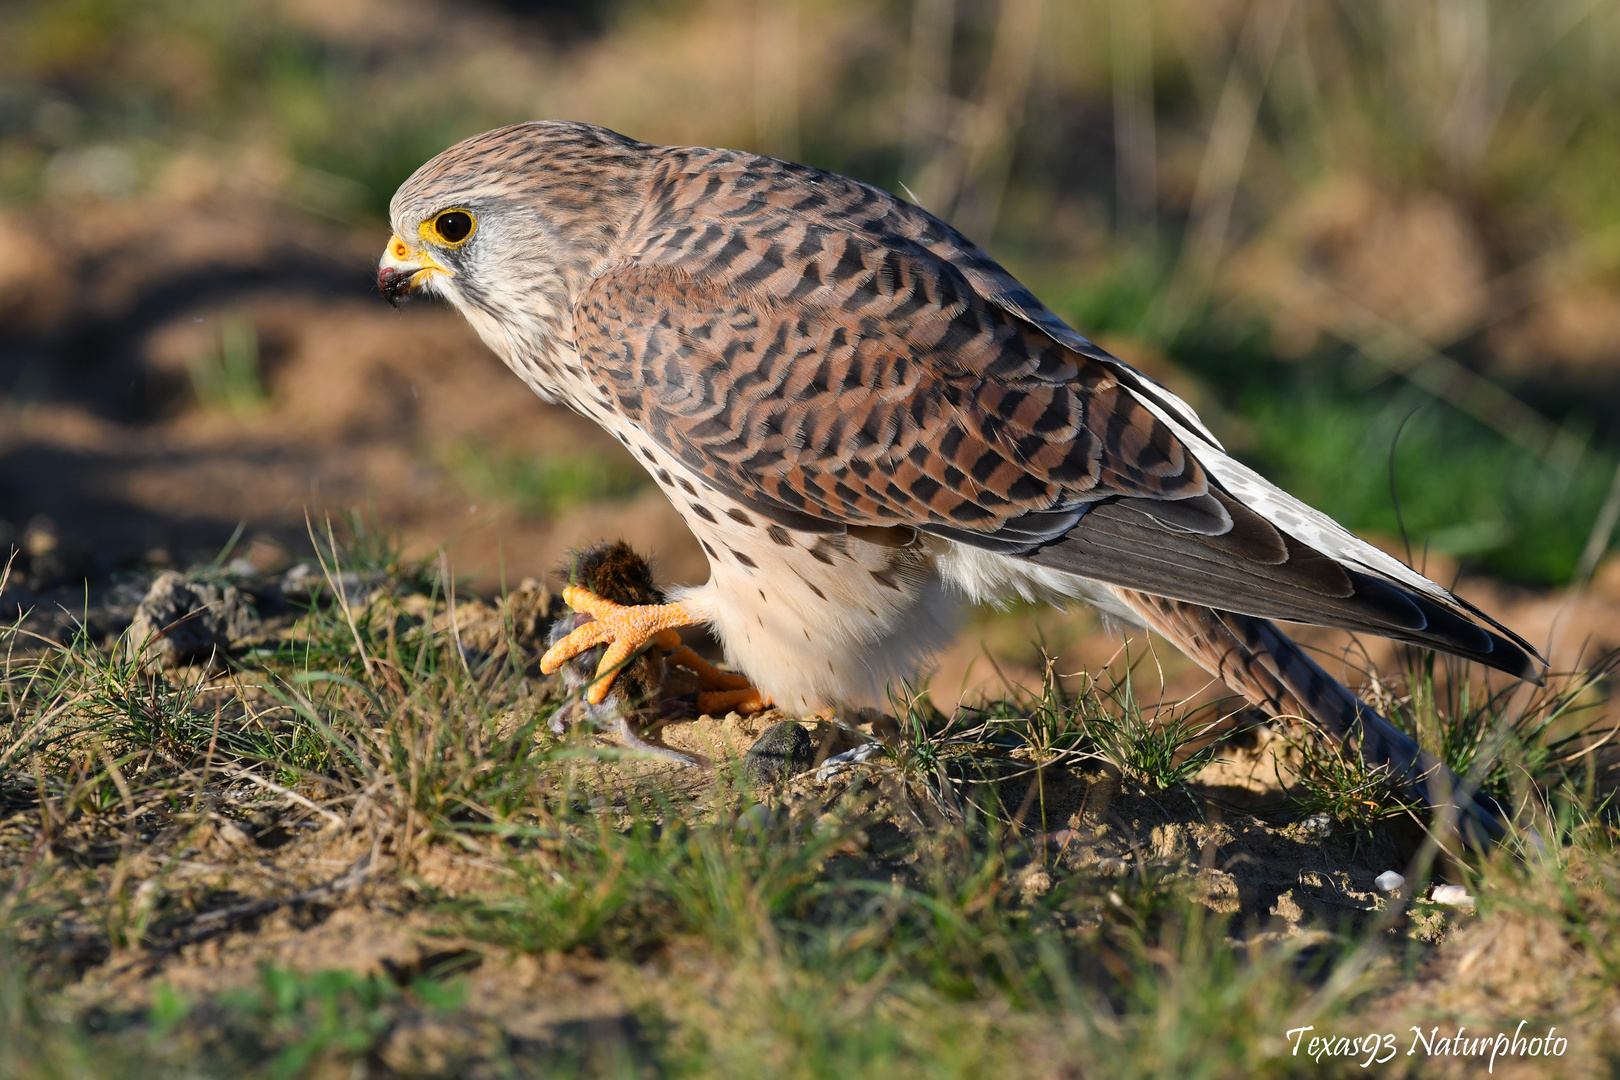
(866,422)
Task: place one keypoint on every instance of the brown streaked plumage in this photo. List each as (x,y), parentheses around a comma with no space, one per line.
(865,419)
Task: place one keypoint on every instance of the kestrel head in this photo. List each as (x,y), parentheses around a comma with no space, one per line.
(503,214)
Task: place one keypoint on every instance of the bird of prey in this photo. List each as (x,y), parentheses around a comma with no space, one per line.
(867,422)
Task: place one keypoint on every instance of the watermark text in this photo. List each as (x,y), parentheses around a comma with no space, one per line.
(1378,1047)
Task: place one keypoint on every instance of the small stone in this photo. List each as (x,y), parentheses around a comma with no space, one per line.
(264,820)
(1034,883)
(1389,881)
(1316,827)
(783,751)
(180,621)
(756,818)
(232,835)
(1287,908)
(40,537)
(1452,896)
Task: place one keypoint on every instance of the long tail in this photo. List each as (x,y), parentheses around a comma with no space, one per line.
(1260,662)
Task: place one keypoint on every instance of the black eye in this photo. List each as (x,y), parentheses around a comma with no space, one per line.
(453,226)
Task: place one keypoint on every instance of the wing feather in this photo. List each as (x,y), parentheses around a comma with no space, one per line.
(832,357)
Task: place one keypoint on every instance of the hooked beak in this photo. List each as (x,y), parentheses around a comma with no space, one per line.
(401,270)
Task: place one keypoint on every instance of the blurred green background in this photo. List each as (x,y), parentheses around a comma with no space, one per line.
(1376,242)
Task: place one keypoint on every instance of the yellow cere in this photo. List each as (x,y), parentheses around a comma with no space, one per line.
(423,261)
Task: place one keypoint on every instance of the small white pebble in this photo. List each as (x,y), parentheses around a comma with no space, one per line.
(1389,881)
(1452,896)
(232,835)
(147,893)
(1317,826)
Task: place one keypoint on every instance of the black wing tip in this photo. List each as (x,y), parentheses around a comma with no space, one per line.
(1510,652)
(1535,664)
(1520,664)
(1506,655)
(1465,631)
(1535,671)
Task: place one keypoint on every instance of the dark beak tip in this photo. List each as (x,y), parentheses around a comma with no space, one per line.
(392,285)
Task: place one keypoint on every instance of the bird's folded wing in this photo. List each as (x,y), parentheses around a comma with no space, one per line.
(874,386)
(897,396)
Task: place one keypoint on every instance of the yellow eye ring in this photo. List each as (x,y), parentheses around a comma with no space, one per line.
(450,228)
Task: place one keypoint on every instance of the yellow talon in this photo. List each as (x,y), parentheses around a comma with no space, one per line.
(627,628)
(624,629)
(744,699)
(721,692)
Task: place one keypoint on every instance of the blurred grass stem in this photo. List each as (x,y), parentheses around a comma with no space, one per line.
(967,177)
(1136,185)
(1398,350)
(1602,532)
(928,72)
(229,377)
(1221,171)
(776,77)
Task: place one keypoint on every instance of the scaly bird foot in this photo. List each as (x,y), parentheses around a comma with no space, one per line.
(720,692)
(624,629)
